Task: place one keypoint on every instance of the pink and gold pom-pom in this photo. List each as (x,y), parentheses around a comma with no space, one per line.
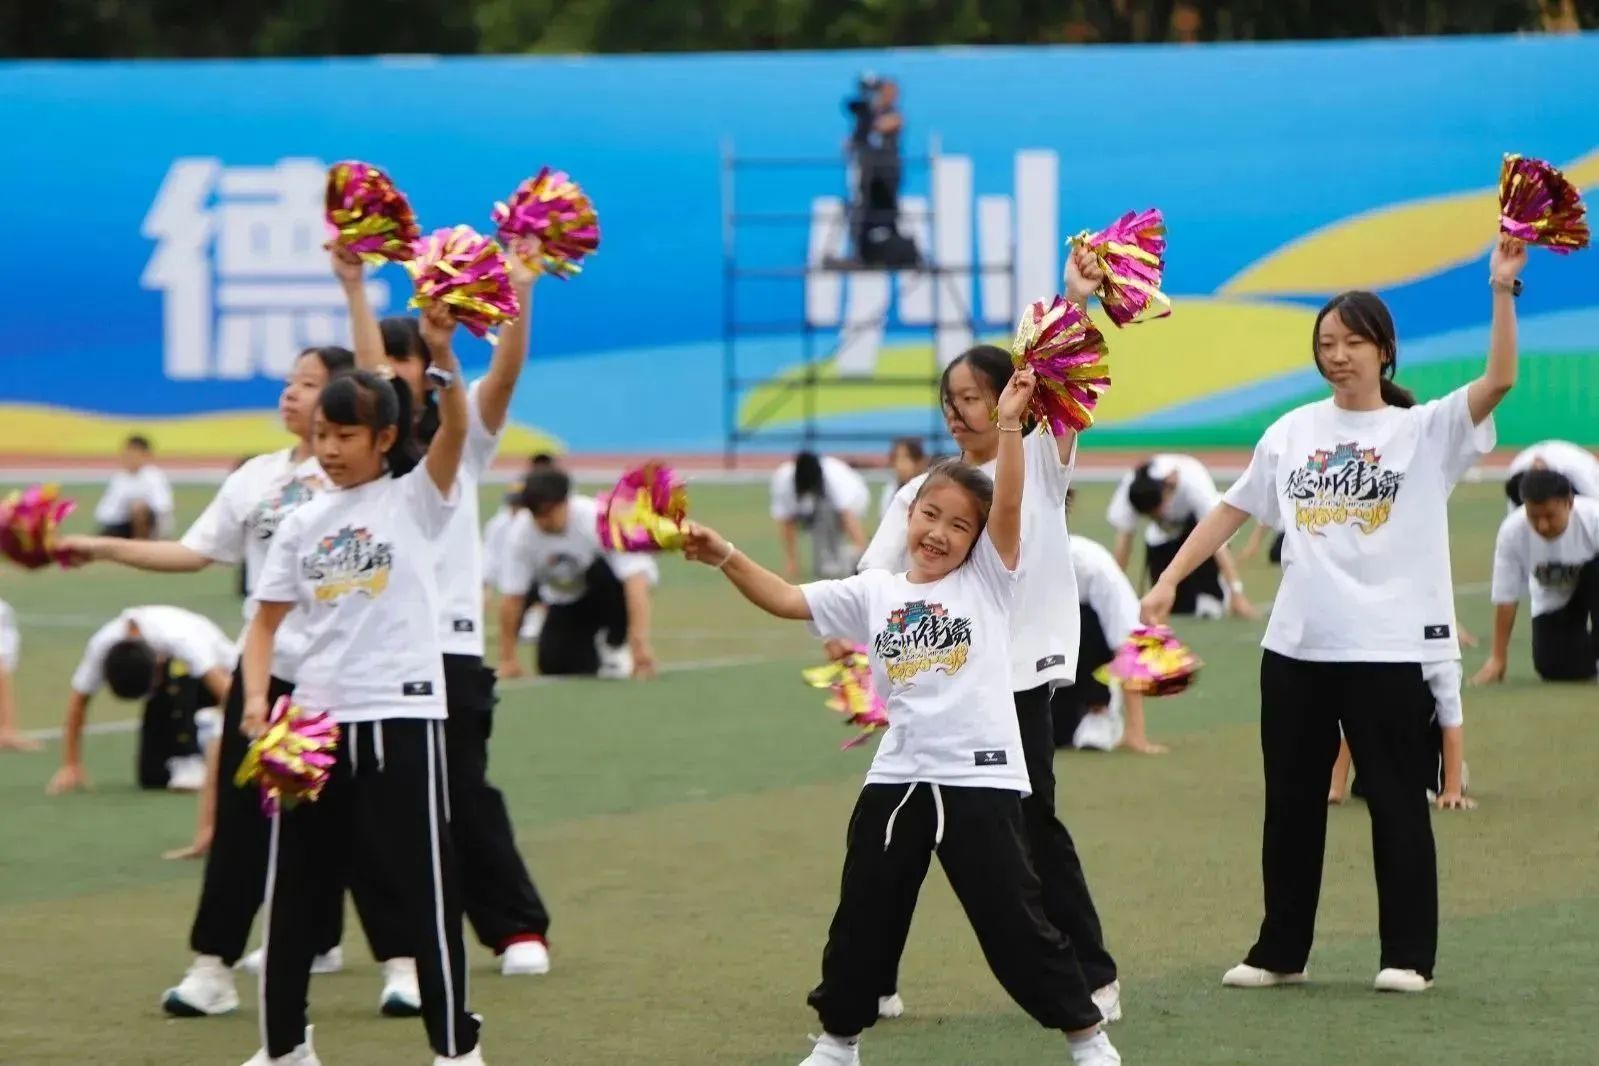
(1153,662)
(1067,352)
(368,216)
(292,759)
(1131,252)
(645,512)
(550,223)
(30,518)
(466,272)
(1539,205)
(852,694)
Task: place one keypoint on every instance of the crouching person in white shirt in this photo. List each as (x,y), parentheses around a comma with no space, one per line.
(360,567)
(597,602)
(137,503)
(1360,483)
(949,774)
(1548,549)
(828,498)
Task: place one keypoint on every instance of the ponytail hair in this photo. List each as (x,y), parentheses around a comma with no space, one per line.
(362,398)
(1365,313)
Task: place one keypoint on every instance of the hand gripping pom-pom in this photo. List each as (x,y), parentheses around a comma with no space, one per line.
(1537,204)
(292,759)
(467,273)
(368,216)
(1068,354)
(645,512)
(852,694)
(1131,252)
(550,223)
(1153,662)
(29,521)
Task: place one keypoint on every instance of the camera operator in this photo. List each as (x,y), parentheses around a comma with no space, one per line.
(874,145)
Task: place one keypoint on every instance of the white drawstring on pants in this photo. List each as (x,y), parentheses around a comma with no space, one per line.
(377,742)
(938,808)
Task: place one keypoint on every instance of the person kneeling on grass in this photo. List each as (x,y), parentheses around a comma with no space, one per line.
(1442,772)
(177,661)
(1548,548)
(597,613)
(948,776)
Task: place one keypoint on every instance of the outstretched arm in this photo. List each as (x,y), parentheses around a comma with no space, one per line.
(759,585)
(365,333)
(1212,533)
(444,453)
(510,354)
(1005,514)
(1504,624)
(1485,393)
(71,776)
(158,556)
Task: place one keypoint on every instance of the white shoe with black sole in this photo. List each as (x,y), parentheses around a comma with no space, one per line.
(401,996)
(205,991)
(304,1055)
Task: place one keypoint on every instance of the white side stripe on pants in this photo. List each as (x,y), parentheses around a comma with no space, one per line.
(446,765)
(377,742)
(434,779)
(266,924)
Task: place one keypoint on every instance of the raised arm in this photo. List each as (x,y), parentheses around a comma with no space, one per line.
(510,355)
(158,556)
(759,585)
(364,331)
(256,663)
(1504,267)
(444,452)
(1005,514)
(1212,533)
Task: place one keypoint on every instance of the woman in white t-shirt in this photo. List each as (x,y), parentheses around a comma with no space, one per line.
(360,567)
(827,497)
(949,774)
(1362,632)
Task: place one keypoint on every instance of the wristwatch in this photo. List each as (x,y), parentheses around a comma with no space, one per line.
(441,378)
(1514,288)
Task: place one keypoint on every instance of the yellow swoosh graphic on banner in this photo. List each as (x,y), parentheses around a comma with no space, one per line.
(1387,246)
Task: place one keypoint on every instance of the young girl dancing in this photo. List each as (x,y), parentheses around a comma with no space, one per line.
(359,567)
(949,774)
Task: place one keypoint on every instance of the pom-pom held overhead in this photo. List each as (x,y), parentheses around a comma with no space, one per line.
(466,272)
(1537,204)
(852,694)
(292,759)
(1067,353)
(368,215)
(550,223)
(1153,662)
(1131,251)
(29,521)
(645,511)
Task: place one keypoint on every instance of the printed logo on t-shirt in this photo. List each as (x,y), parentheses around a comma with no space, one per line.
(417,688)
(349,561)
(1434,632)
(1345,486)
(922,636)
(989,758)
(1561,576)
(1049,661)
(565,575)
(264,518)
(463,625)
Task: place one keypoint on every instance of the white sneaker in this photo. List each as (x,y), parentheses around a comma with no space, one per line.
(616,664)
(1392,980)
(532,626)
(1095,1051)
(890,1006)
(1109,1001)
(328,962)
(471,1058)
(206,990)
(1246,976)
(186,773)
(526,957)
(1099,730)
(1207,606)
(304,1055)
(401,996)
(834,1051)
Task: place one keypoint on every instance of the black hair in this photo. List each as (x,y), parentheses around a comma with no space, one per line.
(963,475)
(992,366)
(1147,492)
(1071,496)
(912,445)
(335,359)
(402,340)
(362,398)
(129,668)
(808,478)
(1365,313)
(541,459)
(545,488)
(139,441)
(1542,486)
(1513,488)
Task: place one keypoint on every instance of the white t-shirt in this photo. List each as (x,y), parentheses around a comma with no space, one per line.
(495,533)
(1044,620)
(1549,569)
(148,486)
(460,550)
(1363,499)
(941,659)
(1192,499)
(560,561)
(10,639)
(846,490)
(1578,464)
(1104,588)
(171,632)
(361,564)
(238,525)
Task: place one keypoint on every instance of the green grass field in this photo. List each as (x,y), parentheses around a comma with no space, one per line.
(688,835)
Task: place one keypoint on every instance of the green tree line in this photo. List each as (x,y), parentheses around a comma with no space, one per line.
(203,28)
